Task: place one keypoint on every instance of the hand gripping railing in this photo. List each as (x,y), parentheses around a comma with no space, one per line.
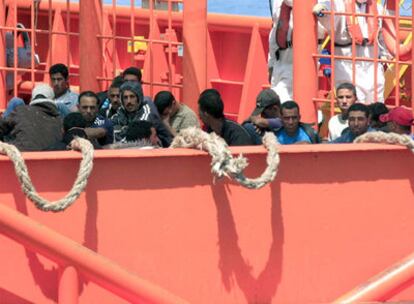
(74,257)
(382,286)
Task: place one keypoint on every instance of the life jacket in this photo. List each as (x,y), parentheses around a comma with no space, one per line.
(354,29)
(282,27)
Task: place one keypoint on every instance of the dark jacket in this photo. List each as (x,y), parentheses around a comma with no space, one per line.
(32,128)
(234,134)
(314,137)
(122,119)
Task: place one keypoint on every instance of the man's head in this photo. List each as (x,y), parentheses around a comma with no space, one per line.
(142,130)
(73,120)
(346,96)
(290,117)
(131,96)
(42,92)
(377,109)
(166,103)
(114,94)
(73,126)
(59,79)
(267,104)
(132,74)
(88,106)
(399,120)
(358,119)
(210,106)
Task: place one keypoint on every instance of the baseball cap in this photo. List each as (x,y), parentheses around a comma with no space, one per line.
(265,99)
(400,115)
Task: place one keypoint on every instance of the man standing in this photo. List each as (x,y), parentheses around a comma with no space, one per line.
(175,115)
(294,131)
(399,120)
(280,56)
(346,96)
(97,127)
(36,126)
(135,108)
(358,119)
(210,109)
(66,100)
(364,31)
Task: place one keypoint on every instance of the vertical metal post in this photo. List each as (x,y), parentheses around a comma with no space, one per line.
(412,60)
(69,286)
(3,92)
(90,46)
(304,67)
(195,51)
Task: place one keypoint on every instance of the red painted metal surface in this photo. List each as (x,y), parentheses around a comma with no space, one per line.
(309,237)
(304,87)
(69,286)
(234,54)
(379,288)
(195,51)
(90,48)
(94,267)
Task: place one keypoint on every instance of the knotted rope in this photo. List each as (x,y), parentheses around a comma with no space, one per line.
(85,169)
(223,163)
(386,138)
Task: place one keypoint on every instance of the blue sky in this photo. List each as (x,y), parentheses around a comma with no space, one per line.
(247,7)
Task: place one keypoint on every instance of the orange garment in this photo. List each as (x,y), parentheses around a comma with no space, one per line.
(354,29)
(283,27)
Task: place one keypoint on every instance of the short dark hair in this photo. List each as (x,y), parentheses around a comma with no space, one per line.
(88,94)
(133,71)
(73,120)
(289,105)
(163,100)
(376,109)
(210,102)
(347,86)
(359,107)
(138,130)
(117,82)
(59,68)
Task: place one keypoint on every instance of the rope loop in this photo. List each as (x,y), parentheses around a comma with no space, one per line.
(223,164)
(85,169)
(386,138)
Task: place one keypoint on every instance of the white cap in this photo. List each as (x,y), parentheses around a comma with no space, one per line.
(45,90)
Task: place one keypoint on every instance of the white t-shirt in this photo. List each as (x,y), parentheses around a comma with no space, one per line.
(336,126)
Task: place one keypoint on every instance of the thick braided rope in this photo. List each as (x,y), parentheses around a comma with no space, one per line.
(223,163)
(29,190)
(386,138)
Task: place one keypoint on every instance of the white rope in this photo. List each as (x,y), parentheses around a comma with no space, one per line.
(386,138)
(29,190)
(223,163)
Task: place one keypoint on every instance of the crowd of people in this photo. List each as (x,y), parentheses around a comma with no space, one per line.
(122,117)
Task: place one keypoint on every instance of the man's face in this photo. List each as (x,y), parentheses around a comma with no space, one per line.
(59,84)
(344,99)
(271,112)
(171,110)
(131,77)
(130,100)
(88,107)
(203,116)
(358,122)
(290,119)
(114,98)
(154,137)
